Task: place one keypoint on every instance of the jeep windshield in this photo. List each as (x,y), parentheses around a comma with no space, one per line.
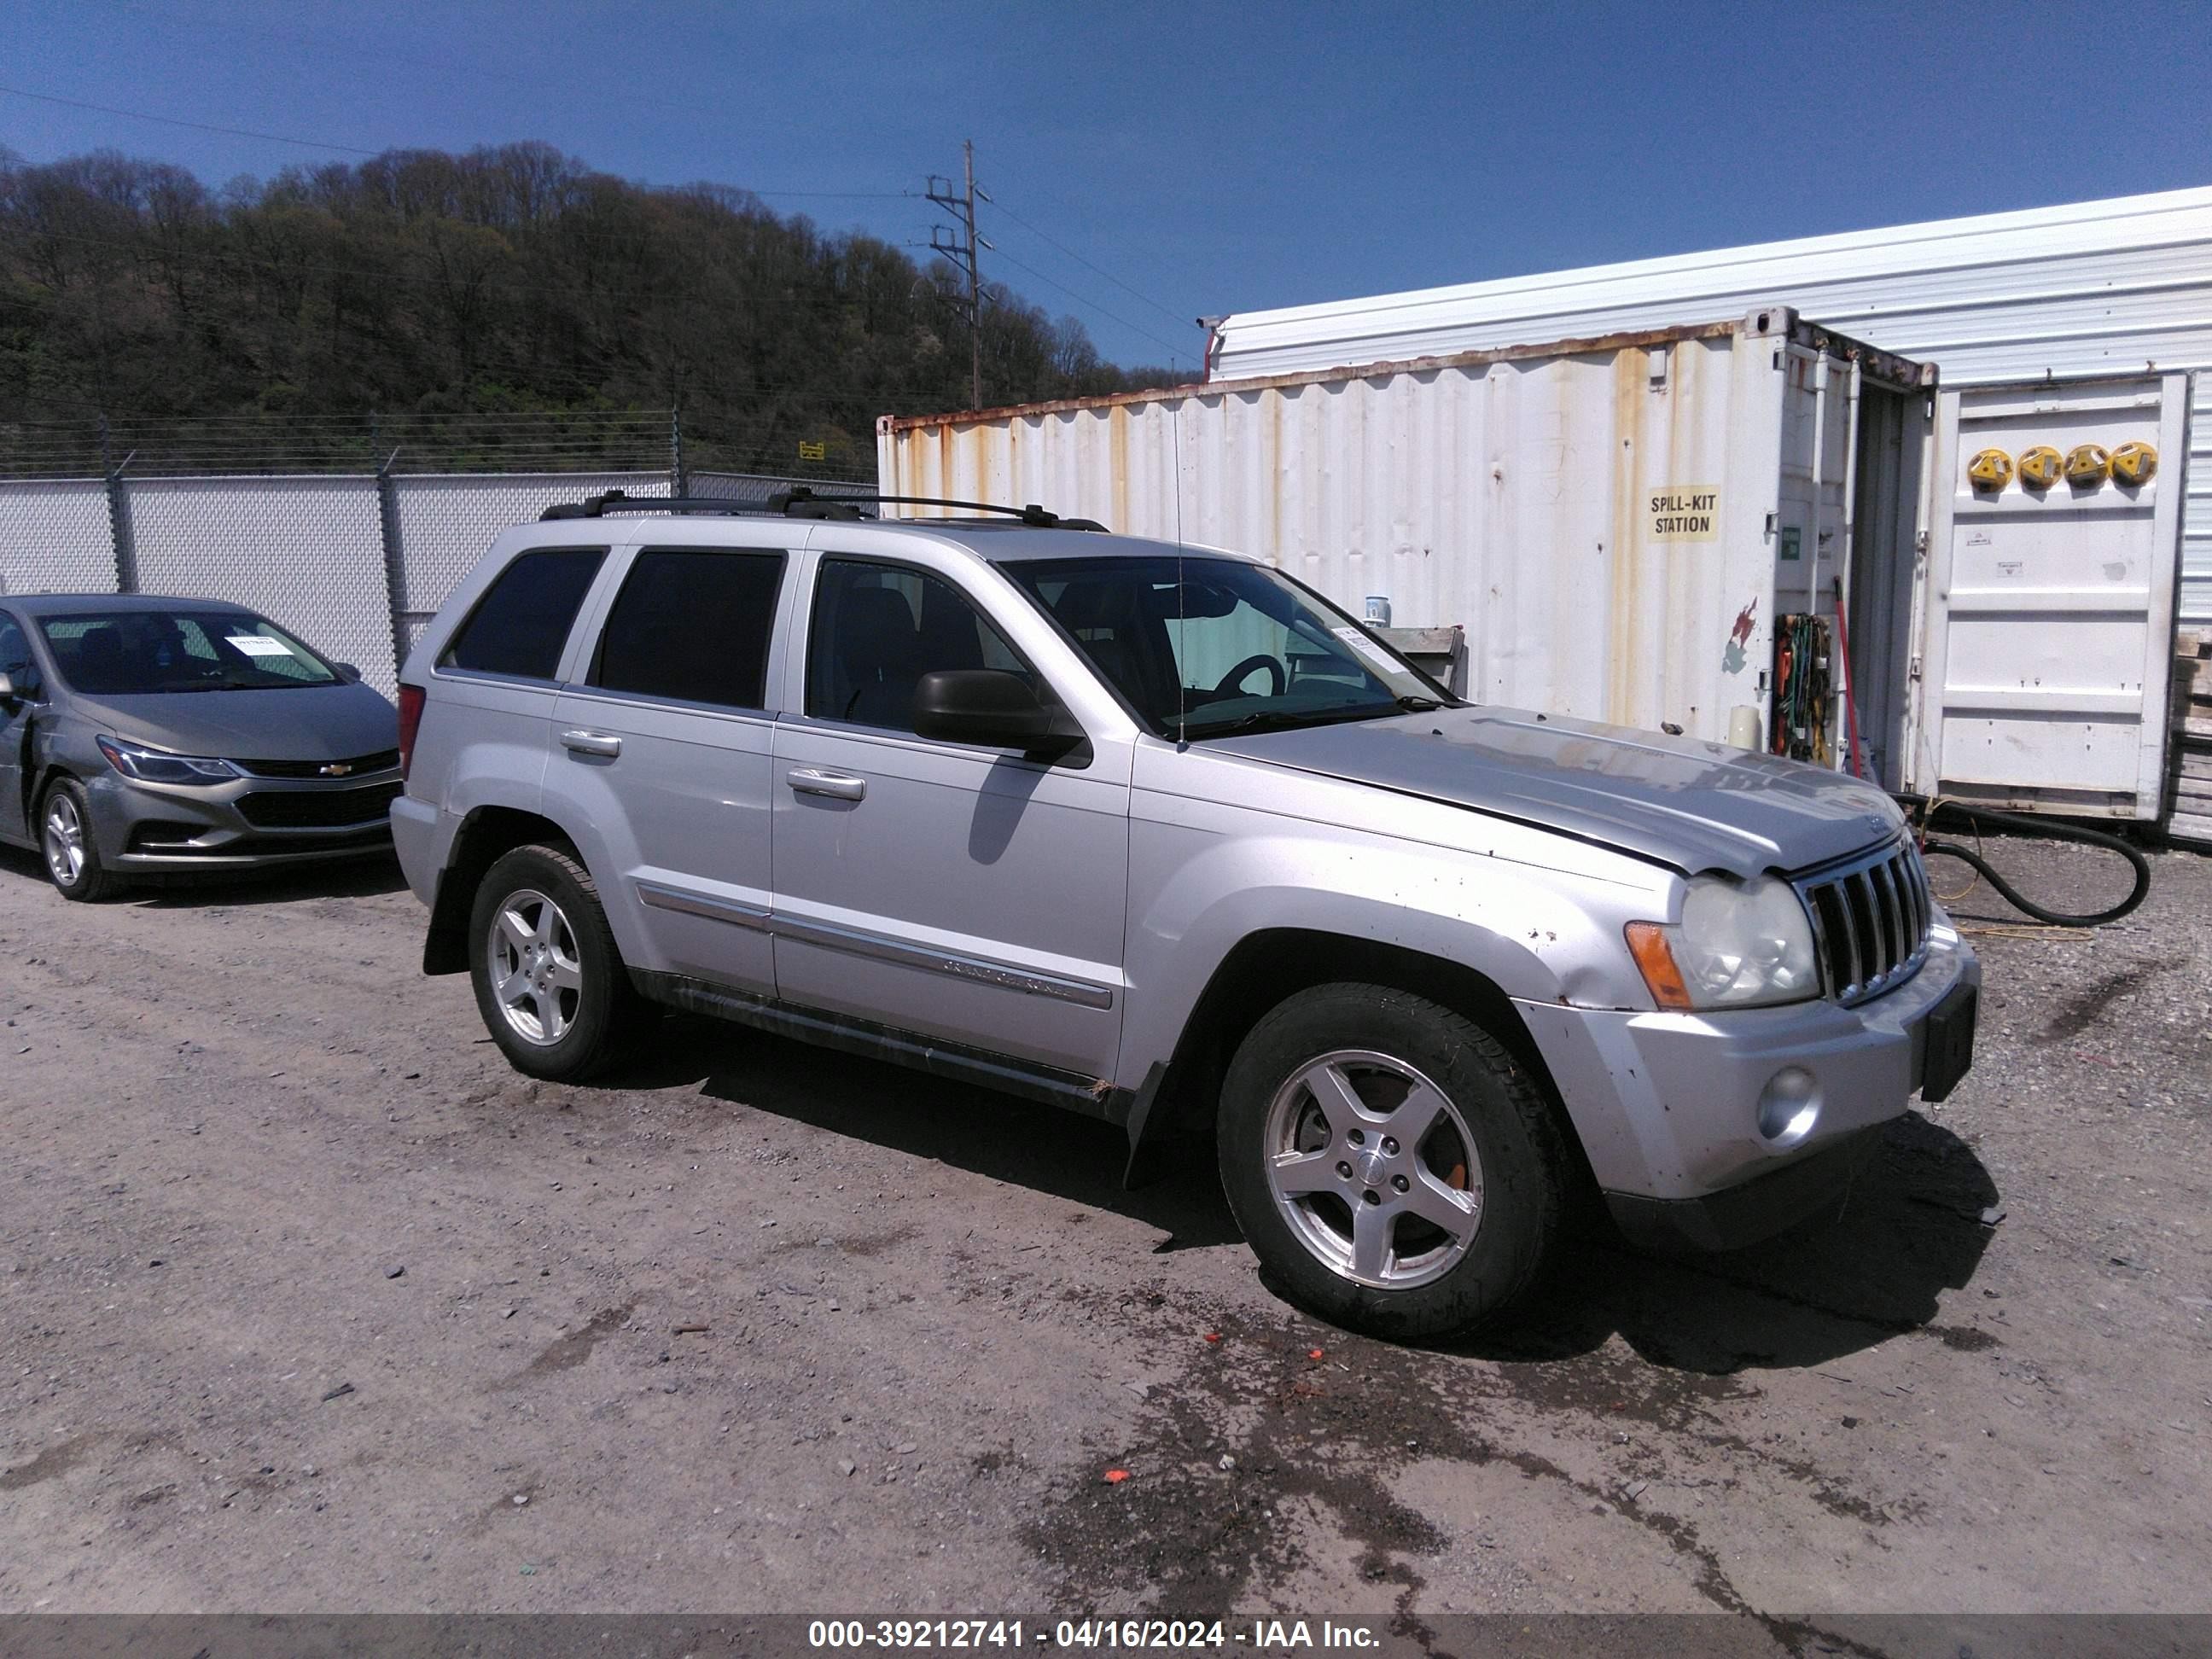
(110,654)
(1202,646)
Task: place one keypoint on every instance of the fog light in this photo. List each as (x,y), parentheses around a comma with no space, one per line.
(1789,1106)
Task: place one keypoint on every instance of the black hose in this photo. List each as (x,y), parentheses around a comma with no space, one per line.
(2051,830)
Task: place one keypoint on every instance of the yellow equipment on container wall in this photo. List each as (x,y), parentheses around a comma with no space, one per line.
(2135,462)
(2088,465)
(2040,467)
(1990,470)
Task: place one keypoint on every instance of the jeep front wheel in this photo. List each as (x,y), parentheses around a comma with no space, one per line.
(1393,1168)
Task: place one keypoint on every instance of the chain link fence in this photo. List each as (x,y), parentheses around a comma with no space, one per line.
(56,535)
(443,522)
(355,563)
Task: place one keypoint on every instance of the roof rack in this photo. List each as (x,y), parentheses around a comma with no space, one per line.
(598,507)
(800,502)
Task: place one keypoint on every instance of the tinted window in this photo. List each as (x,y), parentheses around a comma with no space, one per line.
(519,626)
(692,625)
(879,629)
(137,653)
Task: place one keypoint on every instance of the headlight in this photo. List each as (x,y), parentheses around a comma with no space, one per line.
(1738,945)
(152,766)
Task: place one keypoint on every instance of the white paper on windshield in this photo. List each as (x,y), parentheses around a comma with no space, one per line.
(261,645)
(1366,648)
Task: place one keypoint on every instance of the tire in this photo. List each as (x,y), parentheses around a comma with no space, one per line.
(67,846)
(1455,1162)
(550,983)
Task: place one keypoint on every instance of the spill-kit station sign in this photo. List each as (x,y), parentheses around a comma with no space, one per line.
(1684,513)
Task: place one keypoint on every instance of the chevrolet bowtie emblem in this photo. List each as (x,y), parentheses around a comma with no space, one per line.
(335,770)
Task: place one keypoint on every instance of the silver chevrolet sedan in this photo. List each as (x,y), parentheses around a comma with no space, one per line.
(141,735)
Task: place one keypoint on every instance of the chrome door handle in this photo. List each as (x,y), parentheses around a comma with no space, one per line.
(807,780)
(591,743)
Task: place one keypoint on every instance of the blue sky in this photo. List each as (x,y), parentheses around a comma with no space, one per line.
(1159,162)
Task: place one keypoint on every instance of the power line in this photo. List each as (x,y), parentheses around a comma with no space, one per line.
(1165,311)
(197,126)
(1137,328)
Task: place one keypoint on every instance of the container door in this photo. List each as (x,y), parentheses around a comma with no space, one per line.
(1890,498)
(2048,614)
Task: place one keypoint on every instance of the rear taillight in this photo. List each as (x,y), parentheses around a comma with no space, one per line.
(411,722)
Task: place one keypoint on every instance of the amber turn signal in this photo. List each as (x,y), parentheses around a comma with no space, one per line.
(1647,942)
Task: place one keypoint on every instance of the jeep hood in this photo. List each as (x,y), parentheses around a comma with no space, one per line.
(1691,804)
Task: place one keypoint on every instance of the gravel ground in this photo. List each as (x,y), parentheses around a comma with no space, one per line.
(308,1303)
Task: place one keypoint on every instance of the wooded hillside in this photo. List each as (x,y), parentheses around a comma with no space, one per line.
(423,285)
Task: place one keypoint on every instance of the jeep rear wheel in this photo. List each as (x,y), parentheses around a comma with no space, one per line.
(1392,1167)
(549,982)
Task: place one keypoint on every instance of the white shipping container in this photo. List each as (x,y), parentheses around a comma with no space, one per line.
(1616,522)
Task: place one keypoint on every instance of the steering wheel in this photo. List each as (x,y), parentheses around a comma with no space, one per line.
(1234,677)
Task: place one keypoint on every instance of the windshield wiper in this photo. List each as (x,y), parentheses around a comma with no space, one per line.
(1415,704)
(248,685)
(1284,719)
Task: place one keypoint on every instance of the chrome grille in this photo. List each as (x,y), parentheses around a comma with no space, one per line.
(1870,921)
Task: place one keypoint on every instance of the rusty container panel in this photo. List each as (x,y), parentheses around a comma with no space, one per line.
(1600,516)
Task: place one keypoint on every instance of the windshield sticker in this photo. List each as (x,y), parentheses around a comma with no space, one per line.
(1367,648)
(259,645)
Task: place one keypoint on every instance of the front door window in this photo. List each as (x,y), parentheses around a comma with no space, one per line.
(879,629)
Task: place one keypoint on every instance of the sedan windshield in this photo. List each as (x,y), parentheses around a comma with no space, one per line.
(116,654)
(1202,646)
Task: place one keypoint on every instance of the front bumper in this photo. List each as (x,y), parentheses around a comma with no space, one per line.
(1667,1104)
(243,824)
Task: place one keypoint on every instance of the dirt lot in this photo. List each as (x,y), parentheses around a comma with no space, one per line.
(306,1302)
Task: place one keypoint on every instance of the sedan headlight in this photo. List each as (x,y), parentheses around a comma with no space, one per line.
(153,766)
(1738,945)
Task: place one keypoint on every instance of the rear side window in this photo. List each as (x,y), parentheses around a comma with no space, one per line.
(692,625)
(521,623)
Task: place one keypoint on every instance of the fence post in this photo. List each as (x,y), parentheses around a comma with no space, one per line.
(678,484)
(119,514)
(395,567)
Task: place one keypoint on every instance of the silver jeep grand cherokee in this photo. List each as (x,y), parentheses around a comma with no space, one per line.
(1158,834)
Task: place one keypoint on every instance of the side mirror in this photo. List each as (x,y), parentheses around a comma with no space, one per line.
(347,673)
(993,708)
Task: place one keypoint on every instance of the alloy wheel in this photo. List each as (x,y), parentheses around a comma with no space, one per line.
(1374,1169)
(537,975)
(65,839)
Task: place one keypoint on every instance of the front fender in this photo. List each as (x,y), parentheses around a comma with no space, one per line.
(1536,934)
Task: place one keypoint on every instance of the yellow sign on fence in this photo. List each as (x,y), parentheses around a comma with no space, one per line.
(813,452)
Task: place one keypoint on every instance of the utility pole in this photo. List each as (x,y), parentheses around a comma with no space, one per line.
(959,246)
